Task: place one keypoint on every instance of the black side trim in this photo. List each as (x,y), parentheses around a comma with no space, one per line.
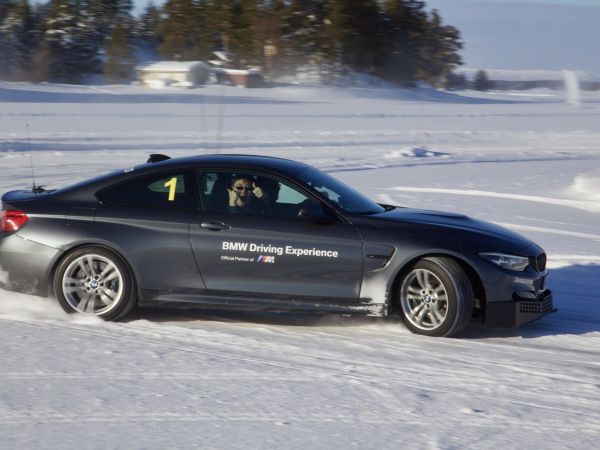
(154,298)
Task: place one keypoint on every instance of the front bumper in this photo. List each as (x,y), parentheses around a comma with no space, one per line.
(519,311)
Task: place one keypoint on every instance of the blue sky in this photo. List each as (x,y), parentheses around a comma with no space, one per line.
(139,5)
(542,34)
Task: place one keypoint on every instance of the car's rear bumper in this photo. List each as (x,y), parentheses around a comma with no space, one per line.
(25,265)
(519,311)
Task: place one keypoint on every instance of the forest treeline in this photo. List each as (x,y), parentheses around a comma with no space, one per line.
(72,40)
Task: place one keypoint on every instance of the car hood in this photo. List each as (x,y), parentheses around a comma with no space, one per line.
(459,225)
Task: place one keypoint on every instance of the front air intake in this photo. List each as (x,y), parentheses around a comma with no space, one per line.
(536,308)
(538,262)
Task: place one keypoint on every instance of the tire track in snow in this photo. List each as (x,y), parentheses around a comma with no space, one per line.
(356,376)
(187,334)
(143,376)
(580,204)
(53,417)
(499,421)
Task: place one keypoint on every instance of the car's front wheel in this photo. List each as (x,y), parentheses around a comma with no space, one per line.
(436,297)
(96,281)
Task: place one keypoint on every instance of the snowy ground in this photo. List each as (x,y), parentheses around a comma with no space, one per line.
(239,380)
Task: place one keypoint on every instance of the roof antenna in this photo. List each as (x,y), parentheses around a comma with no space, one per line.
(34,188)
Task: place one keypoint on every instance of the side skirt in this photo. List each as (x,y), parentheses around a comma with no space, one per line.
(208,301)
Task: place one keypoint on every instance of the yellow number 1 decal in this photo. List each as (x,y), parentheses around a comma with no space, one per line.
(172,185)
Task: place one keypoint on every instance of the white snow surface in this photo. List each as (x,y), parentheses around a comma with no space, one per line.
(181,379)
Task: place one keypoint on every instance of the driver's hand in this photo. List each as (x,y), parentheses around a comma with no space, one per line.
(233,197)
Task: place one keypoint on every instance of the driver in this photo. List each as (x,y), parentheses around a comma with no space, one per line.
(245,196)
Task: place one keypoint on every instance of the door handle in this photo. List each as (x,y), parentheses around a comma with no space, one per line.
(215,226)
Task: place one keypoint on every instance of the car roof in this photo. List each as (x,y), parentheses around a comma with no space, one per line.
(227,161)
(87,188)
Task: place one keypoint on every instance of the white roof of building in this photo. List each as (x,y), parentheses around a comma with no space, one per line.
(171,66)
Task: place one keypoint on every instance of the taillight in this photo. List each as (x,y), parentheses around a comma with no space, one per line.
(12,220)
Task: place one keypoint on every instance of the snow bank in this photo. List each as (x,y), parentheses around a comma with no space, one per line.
(558,261)
(414,152)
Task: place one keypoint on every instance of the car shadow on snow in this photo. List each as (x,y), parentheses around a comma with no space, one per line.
(275,318)
(576,295)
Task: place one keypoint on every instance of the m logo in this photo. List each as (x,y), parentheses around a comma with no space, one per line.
(266,259)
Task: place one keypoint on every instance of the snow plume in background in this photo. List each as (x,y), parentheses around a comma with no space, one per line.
(572,88)
(586,186)
(23,307)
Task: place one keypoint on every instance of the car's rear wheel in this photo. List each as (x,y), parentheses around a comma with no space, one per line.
(436,297)
(94,280)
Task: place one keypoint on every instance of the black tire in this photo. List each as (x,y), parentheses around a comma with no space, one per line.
(436,297)
(95,280)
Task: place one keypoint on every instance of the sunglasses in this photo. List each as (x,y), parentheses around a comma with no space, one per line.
(244,188)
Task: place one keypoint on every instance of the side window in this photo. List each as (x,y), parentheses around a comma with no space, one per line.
(328,193)
(289,196)
(247,193)
(170,190)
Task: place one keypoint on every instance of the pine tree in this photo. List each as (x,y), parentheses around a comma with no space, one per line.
(7,43)
(481,81)
(182,31)
(233,27)
(105,14)
(112,9)
(405,31)
(269,28)
(68,50)
(394,39)
(244,44)
(355,28)
(218,19)
(17,39)
(308,33)
(147,30)
(120,60)
(439,53)
(456,81)
(5,8)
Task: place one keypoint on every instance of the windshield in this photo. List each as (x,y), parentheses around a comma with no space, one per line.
(337,192)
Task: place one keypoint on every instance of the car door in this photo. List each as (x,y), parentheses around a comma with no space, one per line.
(147,220)
(272,252)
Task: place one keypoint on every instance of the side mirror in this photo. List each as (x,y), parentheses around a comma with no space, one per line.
(313,211)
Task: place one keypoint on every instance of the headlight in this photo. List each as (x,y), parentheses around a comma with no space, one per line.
(511,262)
